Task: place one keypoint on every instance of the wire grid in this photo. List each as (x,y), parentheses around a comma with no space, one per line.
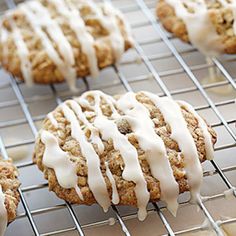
(145,7)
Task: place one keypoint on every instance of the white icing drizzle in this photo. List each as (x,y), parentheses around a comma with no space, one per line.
(52,120)
(22,52)
(127,26)
(204,128)
(109,130)
(49,31)
(132,170)
(44,19)
(201,32)
(139,119)
(54,157)
(109,22)
(179,132)
(143,128)
(3,213)
(96,181)
(77,24)
(115,195)
(39,18)
(94,136)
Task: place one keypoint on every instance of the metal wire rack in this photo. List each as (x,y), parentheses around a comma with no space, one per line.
(149,56)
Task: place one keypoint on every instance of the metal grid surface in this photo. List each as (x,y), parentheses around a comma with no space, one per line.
(159,63)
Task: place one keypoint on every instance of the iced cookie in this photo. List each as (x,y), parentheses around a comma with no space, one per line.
(50,41)
(126,150)
(208,25)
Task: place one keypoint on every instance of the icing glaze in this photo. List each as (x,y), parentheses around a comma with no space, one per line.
(109,130)
(115,196)
(95,179)
(51,35)
(23,52)
(109,22)
(3,213)
(92,127)
(94,136)
(201,32)
(139,119)
(179,132)
(132,170)
(54,157)
(202,124)
(39,17)
(52,120)
(78,26)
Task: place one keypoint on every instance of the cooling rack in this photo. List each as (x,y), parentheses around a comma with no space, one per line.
(161,64)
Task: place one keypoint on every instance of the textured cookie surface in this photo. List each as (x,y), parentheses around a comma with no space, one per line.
(49,41)
(10,185)
(73,126)
(213,20)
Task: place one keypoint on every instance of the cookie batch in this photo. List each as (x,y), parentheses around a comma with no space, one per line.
(127,149)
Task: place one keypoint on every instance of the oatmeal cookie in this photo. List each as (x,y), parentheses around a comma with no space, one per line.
(9,185)
(127,150)
(50,41)
(208,25)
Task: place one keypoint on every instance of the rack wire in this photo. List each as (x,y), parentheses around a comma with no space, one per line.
(149,20)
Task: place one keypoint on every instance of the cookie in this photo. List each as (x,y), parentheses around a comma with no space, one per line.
(50,41)
(9,196)
(126,150)
(208,25)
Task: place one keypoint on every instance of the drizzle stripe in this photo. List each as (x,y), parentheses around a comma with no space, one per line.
(53,29)
(76,23)
(36,23)
(179,132)
(52,120)
(115,195)
(94,137)
(22,52)
(110,23)
(54,157)
(139,119)
(132,169)
(204,128)
(95,178)
(200,29)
